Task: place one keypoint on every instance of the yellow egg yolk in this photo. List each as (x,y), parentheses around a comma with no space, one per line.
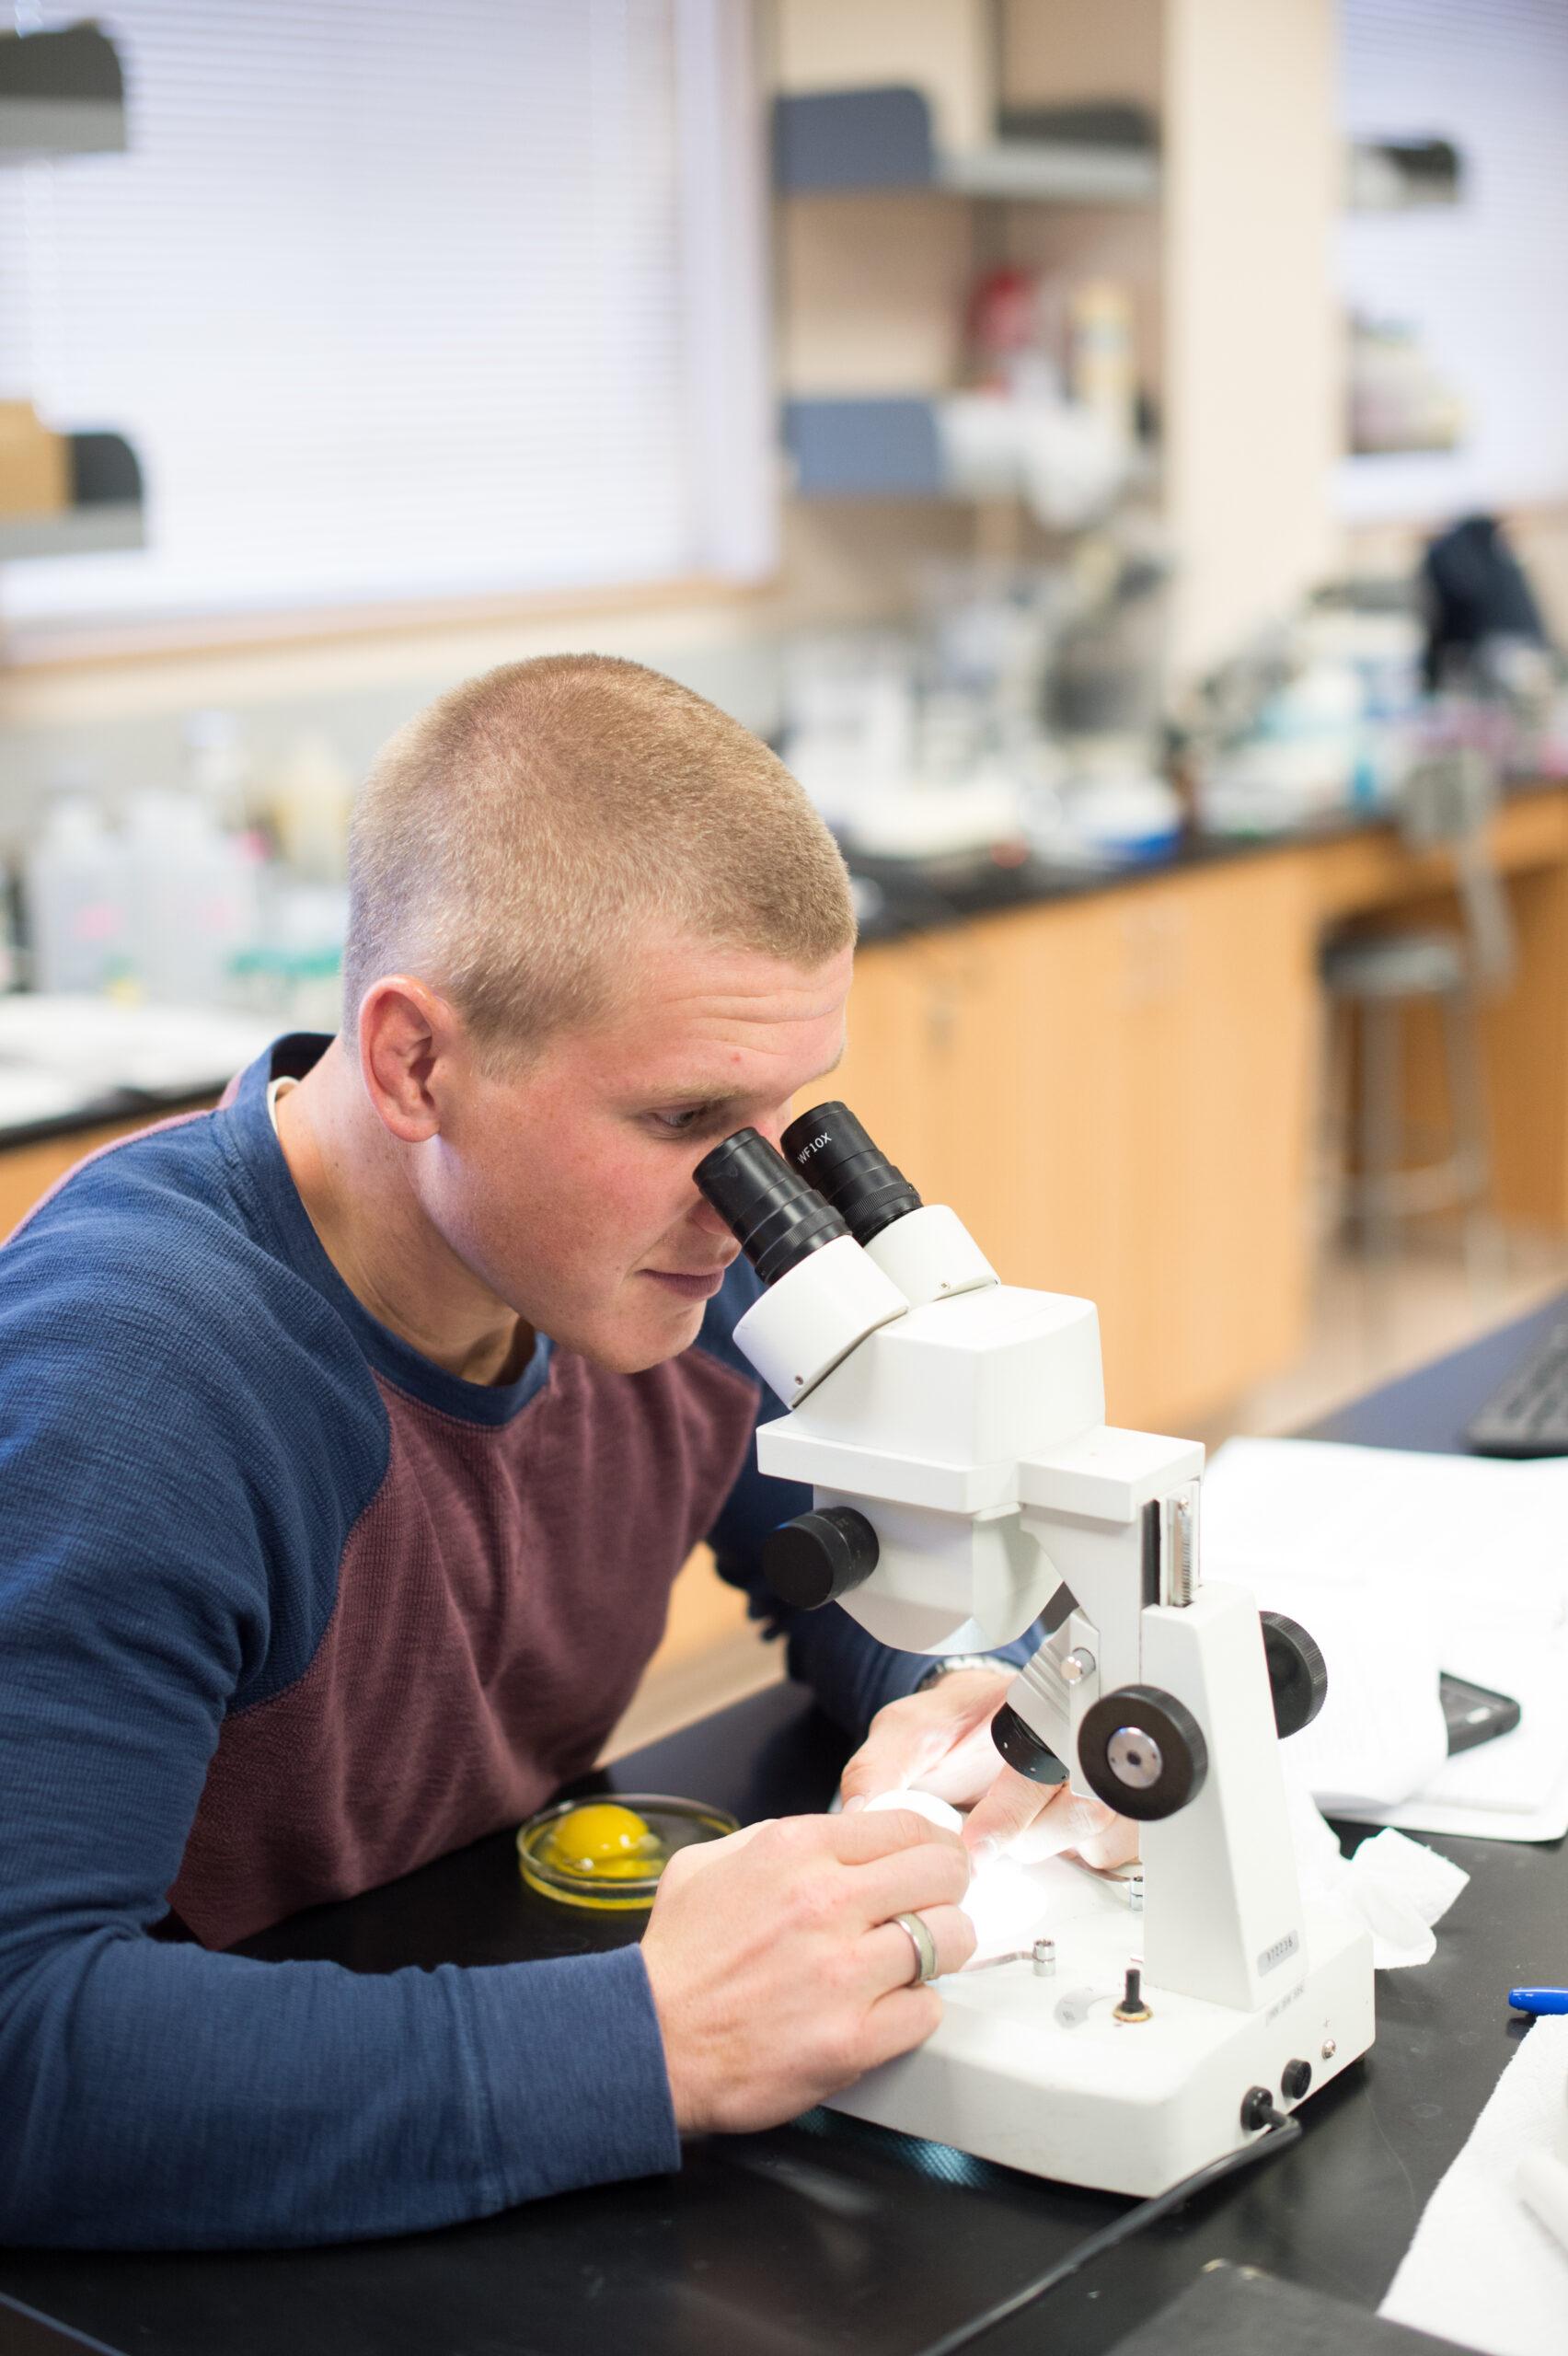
(605,1843)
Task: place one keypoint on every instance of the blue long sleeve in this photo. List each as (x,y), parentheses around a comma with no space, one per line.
(153,2094)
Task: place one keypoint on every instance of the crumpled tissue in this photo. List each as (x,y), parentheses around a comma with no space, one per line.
(1396,1887)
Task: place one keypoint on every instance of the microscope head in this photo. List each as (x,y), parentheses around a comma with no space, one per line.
(916,1384)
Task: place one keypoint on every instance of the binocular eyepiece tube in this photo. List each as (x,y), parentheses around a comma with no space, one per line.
(837,1295)
(810,1213)
(831,1180)
(776,1216)
(829,1147)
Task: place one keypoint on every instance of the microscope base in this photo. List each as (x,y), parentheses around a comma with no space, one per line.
(1037,2073)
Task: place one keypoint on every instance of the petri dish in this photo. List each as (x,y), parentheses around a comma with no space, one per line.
(607,1853)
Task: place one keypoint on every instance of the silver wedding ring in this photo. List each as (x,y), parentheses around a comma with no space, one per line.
(925,1948)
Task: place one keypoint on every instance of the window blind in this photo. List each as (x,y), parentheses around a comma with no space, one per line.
(395,301)
(1483,281)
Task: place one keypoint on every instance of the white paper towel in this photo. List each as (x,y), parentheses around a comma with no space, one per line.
(1482,2269)
(1396,1888)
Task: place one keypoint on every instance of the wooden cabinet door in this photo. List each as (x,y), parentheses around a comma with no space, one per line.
(1114,1093)
(1219,1054)
(973,1059)
(979,1058)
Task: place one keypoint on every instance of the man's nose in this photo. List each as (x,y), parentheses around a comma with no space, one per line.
(705,1217)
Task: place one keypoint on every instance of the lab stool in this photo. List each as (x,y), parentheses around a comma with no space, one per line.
(1373,979)
(1372,983)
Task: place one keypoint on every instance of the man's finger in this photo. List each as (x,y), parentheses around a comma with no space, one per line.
(896,1754)
(909,1881)
(881,1832)
(902,2018)
(1012,1804)
(894,1951)
(1116,1844)
(1069,1822)
(911,1738)
(965,1770)
(683,1863)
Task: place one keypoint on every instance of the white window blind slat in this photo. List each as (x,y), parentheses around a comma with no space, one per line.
(396,301)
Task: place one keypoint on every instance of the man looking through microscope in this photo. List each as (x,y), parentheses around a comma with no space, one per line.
(355,1435)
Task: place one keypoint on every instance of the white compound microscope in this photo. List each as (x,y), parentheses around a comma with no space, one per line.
(966,1482)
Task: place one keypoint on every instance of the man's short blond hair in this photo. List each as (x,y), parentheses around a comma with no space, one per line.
(515,838)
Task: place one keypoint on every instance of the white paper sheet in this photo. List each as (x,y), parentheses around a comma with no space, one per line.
(1482,2269)
(1401,1565)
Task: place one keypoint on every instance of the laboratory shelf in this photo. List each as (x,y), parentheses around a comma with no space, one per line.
(876,448)
(849,140)
(74,531)
(61,94)
(106,512)
(893,445)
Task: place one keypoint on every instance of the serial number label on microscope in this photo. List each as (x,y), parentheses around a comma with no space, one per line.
(1281,1949)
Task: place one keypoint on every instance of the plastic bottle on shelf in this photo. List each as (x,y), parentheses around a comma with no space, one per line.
(308,801)
(217,768)
(1104,370)
(193,899)
(74,894)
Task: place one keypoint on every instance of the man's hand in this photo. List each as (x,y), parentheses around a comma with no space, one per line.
(941,1741)
(778,1974)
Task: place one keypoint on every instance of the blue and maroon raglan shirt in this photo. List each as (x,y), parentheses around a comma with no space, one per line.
(286,1610)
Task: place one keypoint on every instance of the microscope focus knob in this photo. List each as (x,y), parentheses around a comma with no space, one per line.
(1142,1752)
(1299,1674)
(820,1555)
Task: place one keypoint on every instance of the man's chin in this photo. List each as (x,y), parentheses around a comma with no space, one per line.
(633,1345)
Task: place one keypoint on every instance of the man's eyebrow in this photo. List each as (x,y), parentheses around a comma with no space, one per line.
(655,1098)
(712,1094)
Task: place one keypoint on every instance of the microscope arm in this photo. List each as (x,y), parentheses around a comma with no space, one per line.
(1155,1692)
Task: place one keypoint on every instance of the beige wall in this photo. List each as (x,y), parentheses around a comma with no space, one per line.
(940,46)
(872,293)
(1060,50)
(1252,364)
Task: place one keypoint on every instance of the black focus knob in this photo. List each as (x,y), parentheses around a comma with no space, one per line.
(1023,1749)
(1142,1752)
(1298,1675)
(820,1555)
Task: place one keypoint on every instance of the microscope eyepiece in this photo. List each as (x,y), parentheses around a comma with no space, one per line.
(775,1216)
(830,1149)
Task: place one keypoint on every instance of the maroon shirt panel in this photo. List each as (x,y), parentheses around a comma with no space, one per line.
(497,1603)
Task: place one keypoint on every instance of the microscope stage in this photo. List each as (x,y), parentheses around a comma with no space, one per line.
(1037,2073)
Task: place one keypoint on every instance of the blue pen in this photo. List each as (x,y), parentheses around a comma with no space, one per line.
(1539,2000)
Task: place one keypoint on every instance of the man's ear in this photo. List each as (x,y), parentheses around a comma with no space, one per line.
(408,1043)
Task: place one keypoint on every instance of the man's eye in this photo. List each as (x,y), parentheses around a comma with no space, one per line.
(687,1118)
